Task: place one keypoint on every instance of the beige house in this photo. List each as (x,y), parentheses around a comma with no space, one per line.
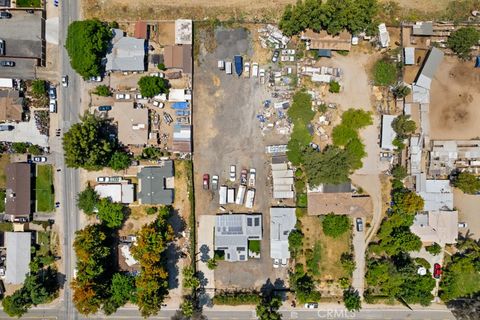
(436,226)
(323,40)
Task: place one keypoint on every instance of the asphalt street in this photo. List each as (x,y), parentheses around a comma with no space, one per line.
(70,108)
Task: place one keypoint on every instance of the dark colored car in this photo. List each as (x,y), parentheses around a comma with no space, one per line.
(52,93)
(104,108)
(7,63)
(2,47)
(437,270)
(359,224)
(5,15)
(206,181)
(276,53)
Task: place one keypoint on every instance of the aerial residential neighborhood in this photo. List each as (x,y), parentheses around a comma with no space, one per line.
(314,159)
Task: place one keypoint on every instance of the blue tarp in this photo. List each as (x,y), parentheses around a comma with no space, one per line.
(477,63)
(180,105)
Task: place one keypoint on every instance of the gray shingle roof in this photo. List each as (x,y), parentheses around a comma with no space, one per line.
(152,184)
(126,54)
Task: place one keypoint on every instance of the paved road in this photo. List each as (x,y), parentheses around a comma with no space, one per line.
(69,109)
(359,247)
(365,314)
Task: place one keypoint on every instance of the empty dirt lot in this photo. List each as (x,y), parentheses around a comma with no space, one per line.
(270,10)
(226,133)
(455,98)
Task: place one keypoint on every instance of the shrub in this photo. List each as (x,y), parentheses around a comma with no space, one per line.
(467,182)
(434,249)
(39,88)
(399,172)
(161,67)
(151,210)
(462,40)
(335,225)
(151,86)
(19,147)
(236,298)
(103,91)
(334,87)
(254,246)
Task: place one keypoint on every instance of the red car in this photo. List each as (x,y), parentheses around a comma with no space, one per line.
(437,270)
(206,181)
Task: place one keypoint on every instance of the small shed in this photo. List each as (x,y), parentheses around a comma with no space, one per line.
(409,55)
(324,53)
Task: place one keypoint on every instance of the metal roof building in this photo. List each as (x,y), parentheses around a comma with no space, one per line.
(282,222)
(436,226)
(126,53)
(154,184)
(409,55)
(18,256)
(384,37)
(423,29)
(117,192)
(425,76)
(388,135)
(437,194)
(282,181)
(232,232)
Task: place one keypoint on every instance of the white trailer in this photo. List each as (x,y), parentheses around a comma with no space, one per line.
(254,69)
(223,195)
(250,198)
(240,195)
(221,64)
(231,195)
(228,67)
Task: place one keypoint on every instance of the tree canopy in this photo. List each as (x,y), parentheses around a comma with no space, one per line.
(301,113)
(86,44)
(329,166)
(120,160)
(268,307)
(103,91)
(462,40)
(404,126)
(331,15)
(335,225)
(150,86)
(122,290)
(87,144)
(87,200)
(111,213)
(467,182)
(351,299)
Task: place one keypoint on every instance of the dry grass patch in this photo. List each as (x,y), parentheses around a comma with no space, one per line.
(4,160)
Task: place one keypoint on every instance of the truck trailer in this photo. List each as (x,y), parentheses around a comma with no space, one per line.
(238,65)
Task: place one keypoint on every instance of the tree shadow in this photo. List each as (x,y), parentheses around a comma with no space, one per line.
(173,255)
(202,278)
(278,288)
(177,223)
(61,279)
(204,253)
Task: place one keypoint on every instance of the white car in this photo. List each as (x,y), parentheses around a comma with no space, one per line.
(233,173)
(311,305)
(39,159)
(158,104)
(53,105)
(252,178)
(138,96)
(103,179)
(128,96)
(120,96)
(65,81)
(284,263)
(246,70)
(95,79)
(462,225)
(276,263)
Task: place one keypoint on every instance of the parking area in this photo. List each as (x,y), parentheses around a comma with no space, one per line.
(25,132)
(23,69)
(228,133)
(22,34)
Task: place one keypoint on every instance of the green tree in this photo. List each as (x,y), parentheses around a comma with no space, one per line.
(399,172)
(467,182)
(87,200)
(352,301)
(161,66)
(407,202)
(329,166)
(401,91)
(122,290)
(212,263)
(384,73)
(334,87)
(39,88)
(335,225)
(190,280)
(268,307)
(151,86)
(304,287)
(404,126)
(87,42)
(87,144)
(462,40)
(35,150)
(187,307)
(20,147)
(301,108)
(111,213)
(343,134)
(15,305)
(120,160)
(434,249)
(295,241)
(103,91)
(348,262)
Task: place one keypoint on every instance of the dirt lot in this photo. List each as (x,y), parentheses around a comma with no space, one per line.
(454,101)
(467,206)
(227,133)
(200,9)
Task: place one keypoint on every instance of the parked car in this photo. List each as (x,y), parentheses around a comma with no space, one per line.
(7,63)
(55,3)
(104,108)
(311,305)
(120,96)
(246,69)
(65,81)
(95,79)
(243,177)
(52,92)
(127,96)
(2,47)
(284,262)
(5,15)
(206,181)
(437,270)
(6,127)
(53,105)
(462,225)
(103,179)
(214,182)
(359,224)
(252,178)
(138,96)
(158,104)
(21,220)
(233,173)
(39,159)
(276,53)
(276,263)
(30,11)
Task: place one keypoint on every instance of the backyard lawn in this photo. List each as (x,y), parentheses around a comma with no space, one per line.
(29,3)
(322,252)
(44,188)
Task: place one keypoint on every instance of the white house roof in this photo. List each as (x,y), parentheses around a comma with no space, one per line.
(282,222)
(126,53)
(437,194)
(436,226)
(122,193)
(18,256)
(388,135)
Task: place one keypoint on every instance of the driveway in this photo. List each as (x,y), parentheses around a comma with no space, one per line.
(25,132)
(432,259)
(359,247)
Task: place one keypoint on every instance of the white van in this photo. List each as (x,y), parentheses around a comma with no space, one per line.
(228,67)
